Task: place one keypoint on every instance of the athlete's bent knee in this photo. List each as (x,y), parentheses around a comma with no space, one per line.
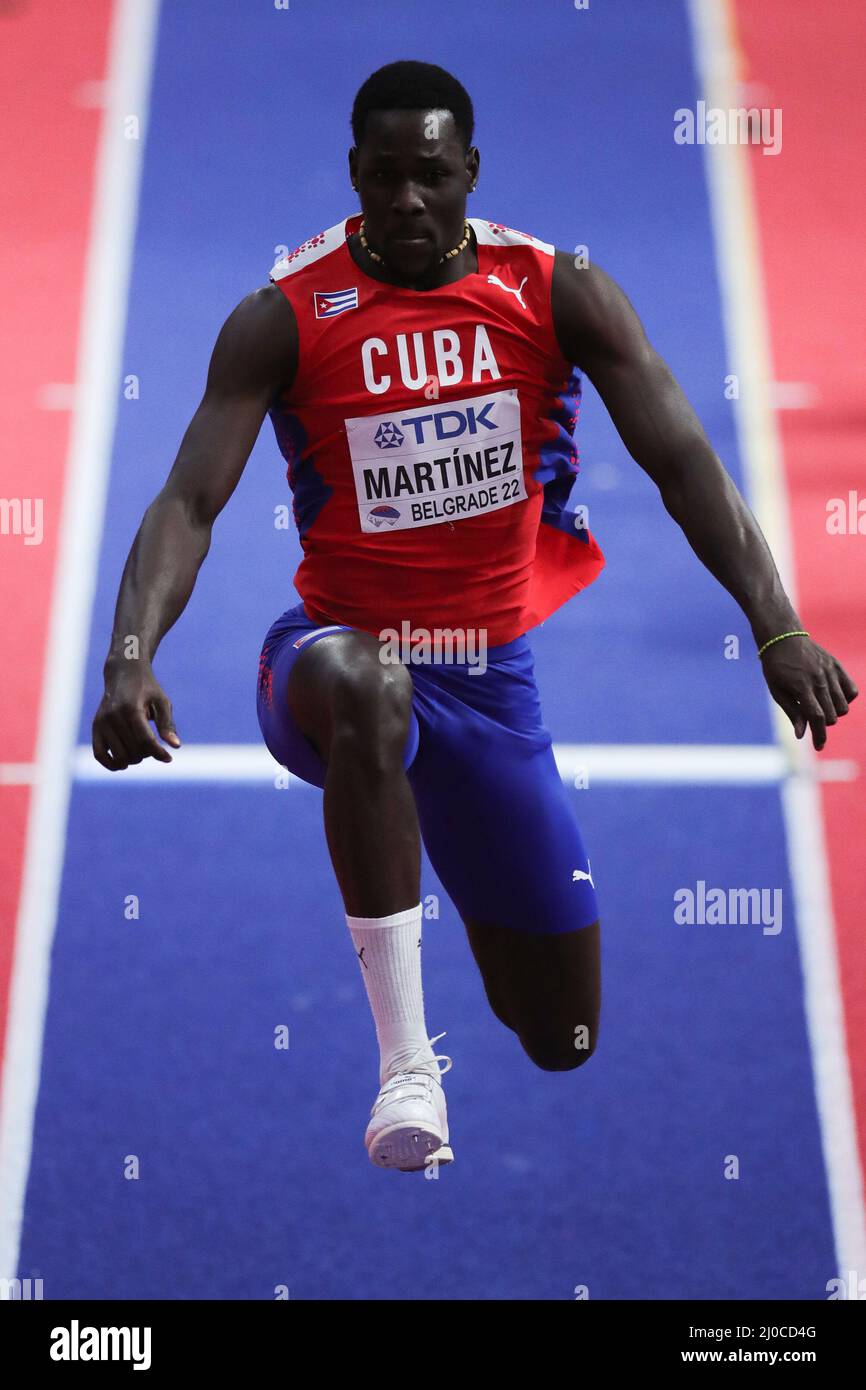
(555,1054)
(371,710)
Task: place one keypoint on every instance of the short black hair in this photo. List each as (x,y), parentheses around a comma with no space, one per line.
(411,86)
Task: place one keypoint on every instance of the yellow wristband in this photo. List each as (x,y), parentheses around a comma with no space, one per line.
(780,638)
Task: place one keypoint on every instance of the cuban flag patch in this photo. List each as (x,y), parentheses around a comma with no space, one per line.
(327,305)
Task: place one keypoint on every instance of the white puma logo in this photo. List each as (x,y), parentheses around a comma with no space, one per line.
(509,289)
(579,874)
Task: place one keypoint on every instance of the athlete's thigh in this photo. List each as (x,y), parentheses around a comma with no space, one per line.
(300,667)
(337,659)
(501,833)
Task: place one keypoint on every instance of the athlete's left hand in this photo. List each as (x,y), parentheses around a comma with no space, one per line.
(810,685)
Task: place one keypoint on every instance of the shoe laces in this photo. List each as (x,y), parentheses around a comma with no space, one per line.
(409,1082)
(436,1058)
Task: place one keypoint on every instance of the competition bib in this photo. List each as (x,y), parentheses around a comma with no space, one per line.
(438,462)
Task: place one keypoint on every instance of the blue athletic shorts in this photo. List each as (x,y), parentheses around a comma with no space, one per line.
(495,818)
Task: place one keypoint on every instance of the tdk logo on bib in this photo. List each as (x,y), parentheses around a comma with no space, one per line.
(445,424)
(388,436)
(437,464)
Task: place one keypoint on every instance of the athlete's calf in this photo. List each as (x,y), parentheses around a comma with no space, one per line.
(545,987)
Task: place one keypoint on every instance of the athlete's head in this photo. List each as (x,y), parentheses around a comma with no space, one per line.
(413,163)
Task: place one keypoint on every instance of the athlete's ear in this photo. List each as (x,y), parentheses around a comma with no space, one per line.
(353,165)
(473,161)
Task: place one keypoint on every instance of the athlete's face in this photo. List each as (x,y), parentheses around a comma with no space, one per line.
(412,177)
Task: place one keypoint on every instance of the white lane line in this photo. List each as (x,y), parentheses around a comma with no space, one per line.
(714,764)
(747,330)
(118,167)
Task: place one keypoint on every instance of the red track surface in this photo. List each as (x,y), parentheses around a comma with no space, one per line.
(811,204)
(48,143)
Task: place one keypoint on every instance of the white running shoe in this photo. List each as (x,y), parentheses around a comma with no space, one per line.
(408,1128)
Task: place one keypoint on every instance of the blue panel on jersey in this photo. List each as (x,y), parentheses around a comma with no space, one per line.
(559,455)
(310,492)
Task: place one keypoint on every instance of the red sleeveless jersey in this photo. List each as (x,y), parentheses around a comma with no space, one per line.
(429,442)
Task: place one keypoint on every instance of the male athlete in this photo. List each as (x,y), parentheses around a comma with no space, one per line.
(422,376)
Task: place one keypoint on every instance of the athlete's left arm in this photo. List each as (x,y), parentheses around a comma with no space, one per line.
(599,331)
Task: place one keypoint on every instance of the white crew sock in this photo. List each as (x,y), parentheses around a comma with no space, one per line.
(389,953)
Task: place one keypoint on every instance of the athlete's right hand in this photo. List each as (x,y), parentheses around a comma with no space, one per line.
(121,732)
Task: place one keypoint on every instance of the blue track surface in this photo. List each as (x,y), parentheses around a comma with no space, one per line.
(159,1035)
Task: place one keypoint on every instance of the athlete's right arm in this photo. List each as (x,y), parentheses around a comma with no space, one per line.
(254,359)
